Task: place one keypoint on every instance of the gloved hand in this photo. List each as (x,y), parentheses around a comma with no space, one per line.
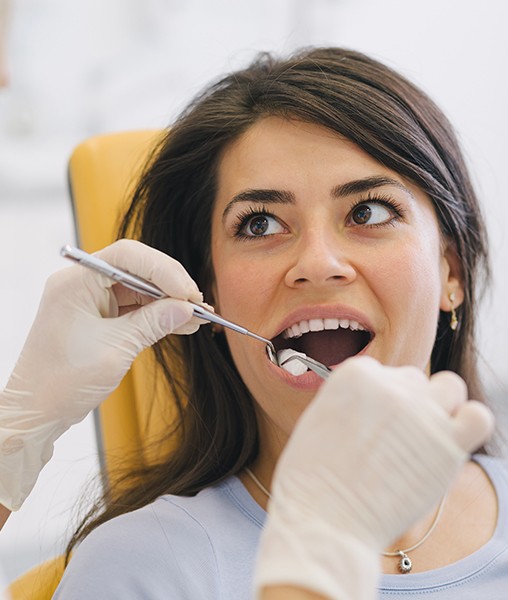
(375,450)
(86,334)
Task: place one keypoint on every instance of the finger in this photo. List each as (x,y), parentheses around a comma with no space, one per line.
(191,327)
(207,306)
(129,299)
(473,425)
(154,266)
(413,379)
(449,390)
(356,366)
(156,320)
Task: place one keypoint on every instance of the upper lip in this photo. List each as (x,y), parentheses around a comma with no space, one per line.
(337,311)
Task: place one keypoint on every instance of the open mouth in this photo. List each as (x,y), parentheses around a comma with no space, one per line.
(330,341)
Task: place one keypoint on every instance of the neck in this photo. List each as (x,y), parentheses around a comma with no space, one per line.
(256,491)
(467,523)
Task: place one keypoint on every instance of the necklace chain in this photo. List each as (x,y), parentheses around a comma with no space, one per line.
(405,563)
(429,531)
(258,483)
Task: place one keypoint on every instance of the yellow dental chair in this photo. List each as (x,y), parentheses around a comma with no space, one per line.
(102,171)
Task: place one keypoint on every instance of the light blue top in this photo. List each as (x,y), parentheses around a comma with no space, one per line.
(204,548)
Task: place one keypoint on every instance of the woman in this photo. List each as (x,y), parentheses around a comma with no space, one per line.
(322,193)
(72,359)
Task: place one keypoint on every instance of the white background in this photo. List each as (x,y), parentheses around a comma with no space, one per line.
(80,68)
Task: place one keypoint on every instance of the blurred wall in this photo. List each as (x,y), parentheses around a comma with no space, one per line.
(76,69)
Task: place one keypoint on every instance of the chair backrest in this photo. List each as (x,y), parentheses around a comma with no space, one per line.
(39,583)
(102,173)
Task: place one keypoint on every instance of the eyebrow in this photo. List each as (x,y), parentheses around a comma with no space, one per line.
(364,185)
(261,196)
(357,186)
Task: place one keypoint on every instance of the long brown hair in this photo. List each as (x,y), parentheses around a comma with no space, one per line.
(360,99)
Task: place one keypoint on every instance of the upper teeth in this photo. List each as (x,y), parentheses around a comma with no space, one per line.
(302,327)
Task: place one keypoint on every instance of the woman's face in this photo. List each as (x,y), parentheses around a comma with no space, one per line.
(310,232)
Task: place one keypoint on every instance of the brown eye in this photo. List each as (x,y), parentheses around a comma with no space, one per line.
(258,225)
(372,214)
(361,214)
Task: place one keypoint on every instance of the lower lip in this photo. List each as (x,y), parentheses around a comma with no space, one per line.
(308,381)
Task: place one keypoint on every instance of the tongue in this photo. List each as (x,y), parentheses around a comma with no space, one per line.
(330,347)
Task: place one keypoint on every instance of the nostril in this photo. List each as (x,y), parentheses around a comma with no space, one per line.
(317,271)
(330,279)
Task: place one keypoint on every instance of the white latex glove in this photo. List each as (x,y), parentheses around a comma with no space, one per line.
(375,450)
(86,334)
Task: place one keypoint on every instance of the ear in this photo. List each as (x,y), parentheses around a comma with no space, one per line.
(452,280)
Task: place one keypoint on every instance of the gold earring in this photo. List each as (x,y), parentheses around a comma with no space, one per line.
(453,317)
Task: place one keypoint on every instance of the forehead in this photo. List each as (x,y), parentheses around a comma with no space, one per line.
(273,142)
(277,153)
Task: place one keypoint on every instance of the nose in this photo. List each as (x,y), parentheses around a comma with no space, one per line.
(321,259)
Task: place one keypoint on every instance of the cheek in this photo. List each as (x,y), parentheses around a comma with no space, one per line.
(243,287)
(232,285)
(407,272)
(408,288)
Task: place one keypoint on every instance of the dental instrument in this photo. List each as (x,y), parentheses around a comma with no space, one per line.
(284,360)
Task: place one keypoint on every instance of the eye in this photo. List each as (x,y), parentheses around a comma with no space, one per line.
(260,224)
(374,213)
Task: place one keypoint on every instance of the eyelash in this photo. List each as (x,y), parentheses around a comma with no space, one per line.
(386,201)
(246,215)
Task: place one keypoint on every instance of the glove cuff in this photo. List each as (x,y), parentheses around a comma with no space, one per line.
(23,454)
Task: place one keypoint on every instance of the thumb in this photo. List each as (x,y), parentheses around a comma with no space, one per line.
(473,425)
(155,320)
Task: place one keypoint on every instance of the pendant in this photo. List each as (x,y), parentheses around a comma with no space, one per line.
(405,564)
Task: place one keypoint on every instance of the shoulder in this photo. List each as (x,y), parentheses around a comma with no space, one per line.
(146,553)
(176,543)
